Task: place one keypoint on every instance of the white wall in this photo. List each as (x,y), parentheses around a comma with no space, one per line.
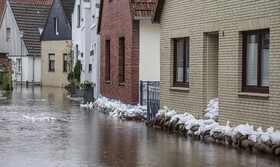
(15,47)
(149,61)
(86,38)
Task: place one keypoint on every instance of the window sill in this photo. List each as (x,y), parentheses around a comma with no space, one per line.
(121,84)
(253,94)
(51,70)
(179,89)
(107,82)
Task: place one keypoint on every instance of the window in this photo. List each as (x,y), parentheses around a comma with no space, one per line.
(51,62)
(78,16)
(107,60)
(90,68)
(77,52)
(8,34)
(64,62)
(181,62)
(18,65)
(82,54)
(56,27)
(121,60)
(256,61)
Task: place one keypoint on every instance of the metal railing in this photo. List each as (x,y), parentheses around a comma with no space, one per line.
(149,95)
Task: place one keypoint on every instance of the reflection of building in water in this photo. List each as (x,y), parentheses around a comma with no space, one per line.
(53,97)
(116,150)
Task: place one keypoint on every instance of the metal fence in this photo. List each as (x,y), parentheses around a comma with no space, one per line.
(149,95)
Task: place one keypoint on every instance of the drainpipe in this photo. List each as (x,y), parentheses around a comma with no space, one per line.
(33,70)
(207,73)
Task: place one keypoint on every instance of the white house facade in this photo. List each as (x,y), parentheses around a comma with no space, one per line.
(86,42)
(149,50)
(21,40)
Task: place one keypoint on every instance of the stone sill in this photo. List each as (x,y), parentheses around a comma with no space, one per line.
(253,94)
(179,89)
(121,84)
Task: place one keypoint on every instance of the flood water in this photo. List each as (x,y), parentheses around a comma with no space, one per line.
(42,127)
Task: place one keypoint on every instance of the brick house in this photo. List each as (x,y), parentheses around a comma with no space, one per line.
(224,49)
(56,43)
(130,48)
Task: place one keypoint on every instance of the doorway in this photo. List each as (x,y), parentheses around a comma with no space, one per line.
(212,52)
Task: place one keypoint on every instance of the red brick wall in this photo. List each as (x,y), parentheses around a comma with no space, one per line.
(117,22)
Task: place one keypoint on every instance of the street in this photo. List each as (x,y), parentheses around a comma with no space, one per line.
(42,127)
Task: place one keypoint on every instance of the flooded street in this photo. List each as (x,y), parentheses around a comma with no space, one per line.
(42,127)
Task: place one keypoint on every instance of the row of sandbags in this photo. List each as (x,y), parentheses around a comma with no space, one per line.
(209,130)
(118,109)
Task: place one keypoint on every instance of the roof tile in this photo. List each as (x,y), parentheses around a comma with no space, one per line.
(29,18)
(143,8)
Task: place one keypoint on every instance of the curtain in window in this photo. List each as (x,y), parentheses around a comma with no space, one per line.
(265,60)
(187,60)
(52,59)
(252,60)
(180,59)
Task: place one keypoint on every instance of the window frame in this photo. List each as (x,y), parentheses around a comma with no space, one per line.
(50,69)
(8,34)
(18,65)
(89,68)
(107,60)
(121,60)
(56,26)
(250,88)
(78,15)
(64,62)
(186,55)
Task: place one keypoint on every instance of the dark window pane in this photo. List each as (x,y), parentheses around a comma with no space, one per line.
(121,60)
(107,60)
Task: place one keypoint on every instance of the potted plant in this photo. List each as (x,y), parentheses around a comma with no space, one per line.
(88,90)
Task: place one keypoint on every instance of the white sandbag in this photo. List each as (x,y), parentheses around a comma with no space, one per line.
(169,114)
(243,129)
(275,137)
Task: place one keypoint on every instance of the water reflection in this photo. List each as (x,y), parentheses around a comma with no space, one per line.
(83,138)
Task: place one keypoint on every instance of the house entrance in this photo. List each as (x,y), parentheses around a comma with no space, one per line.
(211,55)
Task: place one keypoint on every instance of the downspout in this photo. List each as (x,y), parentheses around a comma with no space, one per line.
(207,71)
(33,71)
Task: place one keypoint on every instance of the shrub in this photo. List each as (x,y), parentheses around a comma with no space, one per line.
(77,70)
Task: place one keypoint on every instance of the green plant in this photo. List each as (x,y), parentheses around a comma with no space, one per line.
(77,70)
(70,55)
(70,76)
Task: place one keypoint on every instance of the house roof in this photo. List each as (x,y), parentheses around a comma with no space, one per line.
(2,7)
(34,2)
(68,6)
(100,17)
(158,10)
(29,17)
(142,9)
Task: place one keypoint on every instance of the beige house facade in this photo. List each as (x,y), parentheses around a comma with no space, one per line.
(54,63)
(224,49)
